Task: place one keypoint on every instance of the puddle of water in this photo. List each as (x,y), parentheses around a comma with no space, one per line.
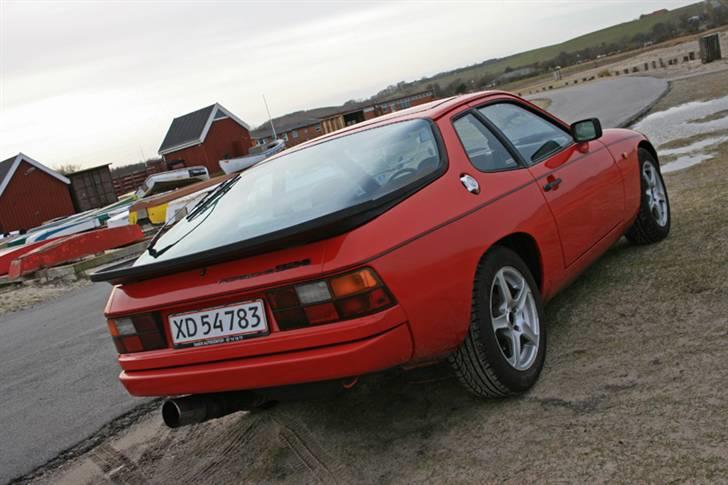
(675,123)
(695,147)
(684,162)
(681,122)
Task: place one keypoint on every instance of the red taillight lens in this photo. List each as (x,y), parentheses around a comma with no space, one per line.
(323,313)
(137,333)
(324,301)
(363,304)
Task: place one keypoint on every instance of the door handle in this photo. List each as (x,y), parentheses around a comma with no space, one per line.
(552,184)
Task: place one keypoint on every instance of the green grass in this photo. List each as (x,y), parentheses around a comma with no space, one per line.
(614,34)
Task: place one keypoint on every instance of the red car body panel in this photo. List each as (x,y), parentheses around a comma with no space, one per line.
(426,250)
(349,359)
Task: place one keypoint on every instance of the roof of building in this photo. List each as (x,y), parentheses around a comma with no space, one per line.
(191,129)
(9,166)
(84,170)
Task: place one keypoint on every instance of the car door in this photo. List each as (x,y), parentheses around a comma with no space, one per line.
(580,182)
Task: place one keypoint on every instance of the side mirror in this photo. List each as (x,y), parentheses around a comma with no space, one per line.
(586,130)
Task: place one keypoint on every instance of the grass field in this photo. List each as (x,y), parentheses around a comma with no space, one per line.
(609,35)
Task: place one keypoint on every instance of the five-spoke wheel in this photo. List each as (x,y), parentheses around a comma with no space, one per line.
(515,318)
(504,350)
(653,219)
(656,193)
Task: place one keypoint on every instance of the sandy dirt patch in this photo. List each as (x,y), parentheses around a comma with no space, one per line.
(25,295)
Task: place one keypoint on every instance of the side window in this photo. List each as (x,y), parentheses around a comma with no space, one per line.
(484,150)
(534,137)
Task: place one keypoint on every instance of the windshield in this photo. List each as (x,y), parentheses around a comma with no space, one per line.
(302,186)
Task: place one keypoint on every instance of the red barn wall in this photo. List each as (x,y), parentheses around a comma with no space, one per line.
(31,198)
(225,139)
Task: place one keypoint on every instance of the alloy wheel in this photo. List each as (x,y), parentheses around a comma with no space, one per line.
(656,196)
(515,318)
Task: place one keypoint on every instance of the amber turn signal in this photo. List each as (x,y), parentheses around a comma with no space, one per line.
(353,283)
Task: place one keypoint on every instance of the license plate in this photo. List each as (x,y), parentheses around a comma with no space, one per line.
(218,325)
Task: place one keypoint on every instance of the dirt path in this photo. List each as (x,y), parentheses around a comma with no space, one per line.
(634,389)
(14,298)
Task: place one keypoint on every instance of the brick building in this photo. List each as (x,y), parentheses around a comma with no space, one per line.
(204,137)
(31,194)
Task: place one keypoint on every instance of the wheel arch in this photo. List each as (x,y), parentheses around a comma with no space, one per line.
(645,144)
(526,247)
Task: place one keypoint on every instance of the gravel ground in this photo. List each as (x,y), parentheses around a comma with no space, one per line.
(25,295)
(633,388)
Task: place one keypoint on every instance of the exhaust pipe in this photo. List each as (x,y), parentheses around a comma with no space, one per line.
(193,409)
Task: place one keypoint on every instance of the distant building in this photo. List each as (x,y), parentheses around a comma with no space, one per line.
(368,110)
(294,128)
(92,188)
(125,180)
(302,126)
(31,194)
(204,137)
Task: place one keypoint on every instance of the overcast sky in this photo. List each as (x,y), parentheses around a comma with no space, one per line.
(89,82)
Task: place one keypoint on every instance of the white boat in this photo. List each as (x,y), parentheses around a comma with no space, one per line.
(73,227)
(172,179)
(119,219)
(257,154)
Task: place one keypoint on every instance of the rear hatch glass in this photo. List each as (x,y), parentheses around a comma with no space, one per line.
(324,188)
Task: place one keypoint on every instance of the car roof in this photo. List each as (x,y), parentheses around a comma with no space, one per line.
(431,110)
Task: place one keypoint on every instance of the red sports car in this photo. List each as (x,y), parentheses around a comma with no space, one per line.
(433,233)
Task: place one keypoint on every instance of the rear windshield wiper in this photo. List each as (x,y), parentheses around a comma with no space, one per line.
(206,201)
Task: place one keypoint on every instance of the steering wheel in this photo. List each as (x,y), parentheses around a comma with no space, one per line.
(401,172)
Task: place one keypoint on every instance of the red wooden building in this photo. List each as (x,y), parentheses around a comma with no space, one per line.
(204,137)
(31,193)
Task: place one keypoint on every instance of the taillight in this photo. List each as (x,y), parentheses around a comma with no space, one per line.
(325,301)
(137,333)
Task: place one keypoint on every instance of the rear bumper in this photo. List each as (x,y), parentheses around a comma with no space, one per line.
(388,349)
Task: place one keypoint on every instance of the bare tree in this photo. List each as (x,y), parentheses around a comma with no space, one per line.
(67,168)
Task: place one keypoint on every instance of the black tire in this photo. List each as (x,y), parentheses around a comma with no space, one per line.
(479,363)
(646,229)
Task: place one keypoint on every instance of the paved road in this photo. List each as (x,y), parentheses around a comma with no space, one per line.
(613,101)
(57,379)
(57,372)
